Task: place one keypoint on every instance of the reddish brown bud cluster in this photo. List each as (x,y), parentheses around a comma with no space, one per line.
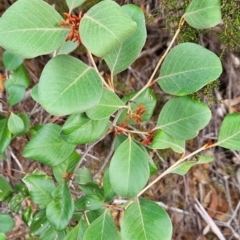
(148,140)
(73,23)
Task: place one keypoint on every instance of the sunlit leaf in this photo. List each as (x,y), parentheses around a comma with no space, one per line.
(203,14)
(183,117)
(77,232)
(64,92)
(105,26)
(146,220)
(187,68)
(29,28)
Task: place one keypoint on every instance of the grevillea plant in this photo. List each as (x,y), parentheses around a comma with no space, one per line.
(69,87)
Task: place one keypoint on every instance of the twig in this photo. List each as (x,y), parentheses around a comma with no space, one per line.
(95,67)
(208,219)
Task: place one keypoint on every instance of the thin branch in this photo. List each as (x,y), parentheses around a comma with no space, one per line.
(151,81)
(95,67)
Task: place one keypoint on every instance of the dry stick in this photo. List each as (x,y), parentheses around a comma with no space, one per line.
(95,67)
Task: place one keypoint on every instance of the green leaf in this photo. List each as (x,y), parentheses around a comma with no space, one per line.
(128,163)
(183,167)
(15,94)
(6,223)
(27,215)
(47,147)
(5,135)
(34,93)
(26,122)
(60,210)
(79,129)
(51,233)
(64,92)
(78,231)
(11,61)
(162,141)
(104,27)
(108,104)
(18,77)
(92,188)
(67,47)
(74,3)
(15,203)
(5,189)
(108,191)
(126,53)
(40,188)
(15,124)
(203,14)
(83,176)
(229,134)
(29,28)
(102,228)
(39,222)
(187,68)
(183,117)
(3,236)
(89,202)
(146,220)
(146,99)
(67,166)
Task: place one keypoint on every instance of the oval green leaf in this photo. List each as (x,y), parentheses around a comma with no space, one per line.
(79,129)
(29,28)
(60,210)
(102,228)
(183,117)
(128,163)
(126,53)
(162,141)
(40,187)
(39,222)
(11,61)
(187,68)
(229,135)
(15,124)
(203,14)
(6,223)
(146,220)
(47,147)
(64,92)
(78,231)
(104,27)
(108,104)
